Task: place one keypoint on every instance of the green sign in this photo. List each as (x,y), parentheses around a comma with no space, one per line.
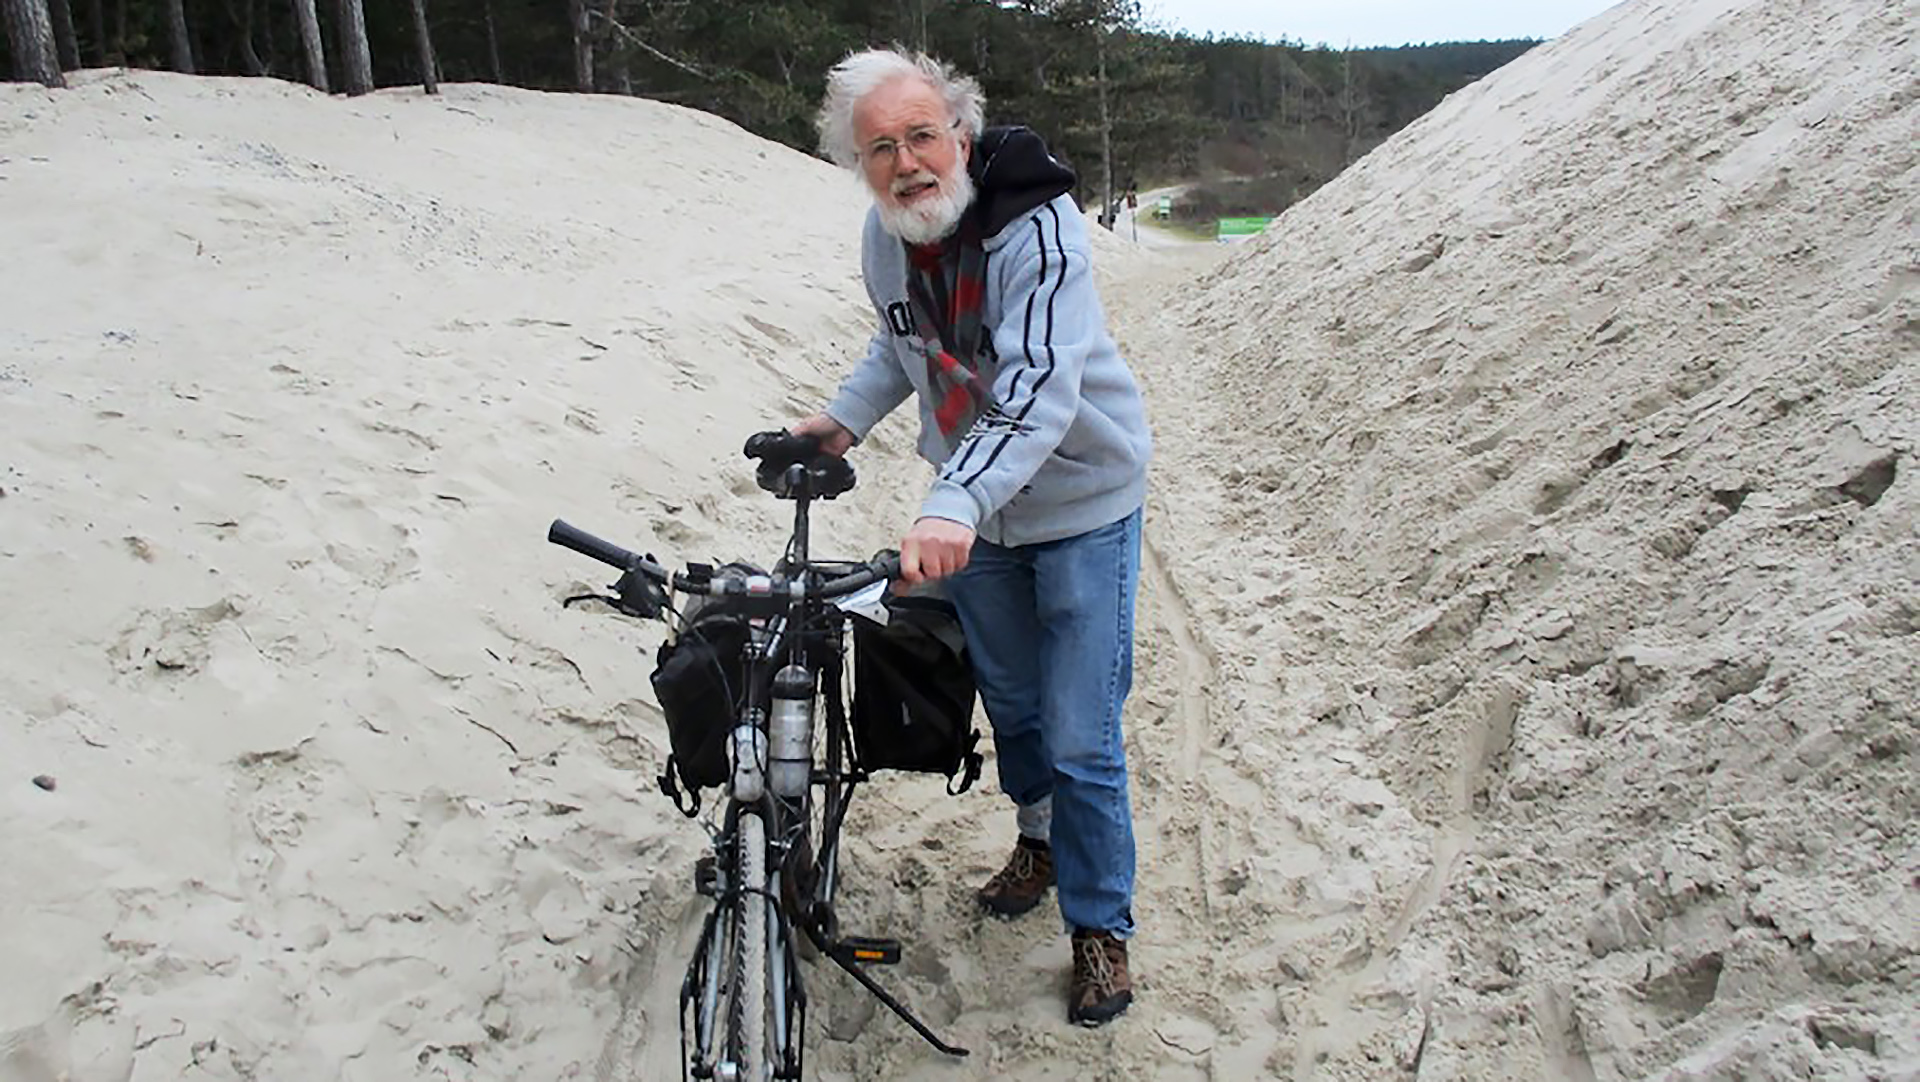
(1240,228)
(1165,207)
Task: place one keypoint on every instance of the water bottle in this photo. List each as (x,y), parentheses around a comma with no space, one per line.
(749,759)
(790,732)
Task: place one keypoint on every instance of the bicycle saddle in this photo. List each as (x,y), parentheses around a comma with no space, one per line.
(823,476)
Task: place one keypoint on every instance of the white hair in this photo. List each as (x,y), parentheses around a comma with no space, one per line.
(862,73)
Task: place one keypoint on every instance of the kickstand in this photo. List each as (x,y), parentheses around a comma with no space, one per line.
(842,956)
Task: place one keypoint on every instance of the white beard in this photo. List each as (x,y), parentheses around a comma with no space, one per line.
(933,217)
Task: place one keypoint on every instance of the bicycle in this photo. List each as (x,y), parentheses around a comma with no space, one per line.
(743,1001)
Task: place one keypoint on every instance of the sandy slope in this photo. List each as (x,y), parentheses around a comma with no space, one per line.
(1527,669)
(291,387)
(1561,583)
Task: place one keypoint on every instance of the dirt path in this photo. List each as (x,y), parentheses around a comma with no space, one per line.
(1138,226)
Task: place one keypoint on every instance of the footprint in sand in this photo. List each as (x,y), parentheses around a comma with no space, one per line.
(360,542)
(170,642)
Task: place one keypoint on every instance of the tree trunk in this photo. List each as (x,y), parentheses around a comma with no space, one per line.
(493,44)
(1106,135)
(356,59)
(621,78)
(182,46)
(65,46)
(309,20)
(97,19)
(1350,107)
(914,14)
(270,39)
(429,78)
(582,46)
(30,29)
(1345,104)
(243,18)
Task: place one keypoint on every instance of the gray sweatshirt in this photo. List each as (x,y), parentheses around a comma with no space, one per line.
(1062,447)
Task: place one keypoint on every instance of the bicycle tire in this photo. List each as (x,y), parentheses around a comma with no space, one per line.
(747,1013)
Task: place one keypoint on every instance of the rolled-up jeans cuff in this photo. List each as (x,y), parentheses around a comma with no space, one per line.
(1035,820)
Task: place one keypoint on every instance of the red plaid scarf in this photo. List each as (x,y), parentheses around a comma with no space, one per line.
(946,283)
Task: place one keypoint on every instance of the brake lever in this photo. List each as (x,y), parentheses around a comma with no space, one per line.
(638,595)
(608,600)
(634,594)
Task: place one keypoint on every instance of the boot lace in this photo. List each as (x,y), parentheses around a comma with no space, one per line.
(1023,866)
(1096,967)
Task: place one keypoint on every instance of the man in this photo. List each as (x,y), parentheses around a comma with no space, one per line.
(977,262)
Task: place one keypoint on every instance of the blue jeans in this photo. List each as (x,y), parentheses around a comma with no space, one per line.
(1050,631)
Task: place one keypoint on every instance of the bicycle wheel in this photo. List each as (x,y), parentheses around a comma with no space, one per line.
(747,1009)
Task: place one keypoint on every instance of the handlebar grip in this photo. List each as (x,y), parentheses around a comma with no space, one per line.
(886,567)
(568,536)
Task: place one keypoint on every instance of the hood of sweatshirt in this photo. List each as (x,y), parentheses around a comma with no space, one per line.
(1013,172)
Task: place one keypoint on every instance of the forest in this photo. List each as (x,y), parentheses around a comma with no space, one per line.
(1127,104)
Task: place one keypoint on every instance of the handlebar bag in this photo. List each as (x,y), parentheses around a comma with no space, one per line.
(700,678)
(913,693)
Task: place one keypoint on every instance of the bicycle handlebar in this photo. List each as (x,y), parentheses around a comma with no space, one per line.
(567,535)
(806,586)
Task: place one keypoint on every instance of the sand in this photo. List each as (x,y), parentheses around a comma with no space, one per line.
(292,387)
(1559,584)
(1528,640)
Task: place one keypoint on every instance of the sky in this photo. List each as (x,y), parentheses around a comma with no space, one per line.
(1374,22)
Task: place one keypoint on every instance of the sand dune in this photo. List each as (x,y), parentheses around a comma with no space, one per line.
(292,387)
(1558,457)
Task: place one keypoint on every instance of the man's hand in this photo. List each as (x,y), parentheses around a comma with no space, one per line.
(934,549)
(834,437)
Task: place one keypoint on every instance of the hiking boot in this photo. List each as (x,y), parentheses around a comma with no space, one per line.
(1101,987)
(1020,885)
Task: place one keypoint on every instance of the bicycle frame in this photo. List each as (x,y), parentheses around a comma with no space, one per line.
(745,960)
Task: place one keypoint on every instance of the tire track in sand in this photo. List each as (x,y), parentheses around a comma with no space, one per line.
(1353,1002)
(1181,810)
(1188,812)
(1197,668)
(644,1044)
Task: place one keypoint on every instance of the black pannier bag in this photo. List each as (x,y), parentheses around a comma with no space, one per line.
(700,680)
(913,693)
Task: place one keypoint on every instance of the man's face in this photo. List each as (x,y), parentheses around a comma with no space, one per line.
(914,158)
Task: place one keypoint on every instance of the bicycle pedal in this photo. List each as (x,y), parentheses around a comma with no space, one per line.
(870,951)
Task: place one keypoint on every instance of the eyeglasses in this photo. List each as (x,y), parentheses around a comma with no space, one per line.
(921,141)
